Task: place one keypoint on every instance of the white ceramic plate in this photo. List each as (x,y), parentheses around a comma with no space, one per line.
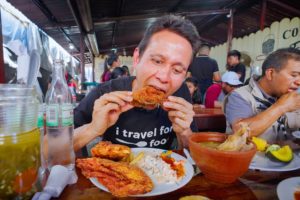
(296,134)
(287,187)
(261,162)
(159,188)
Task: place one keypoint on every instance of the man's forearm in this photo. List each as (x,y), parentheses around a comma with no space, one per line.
(83,135)
(259,123)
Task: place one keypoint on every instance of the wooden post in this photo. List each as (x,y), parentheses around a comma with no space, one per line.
(230,31)
(2,71)
(263,14)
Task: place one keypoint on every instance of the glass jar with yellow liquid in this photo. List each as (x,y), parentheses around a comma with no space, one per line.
(19,141)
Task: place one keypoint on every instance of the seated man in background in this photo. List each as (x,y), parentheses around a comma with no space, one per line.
(161,61)
(268,99)
(216,93)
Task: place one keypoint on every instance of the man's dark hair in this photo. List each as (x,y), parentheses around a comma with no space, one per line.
(234,53)
(175,24)
(279,58)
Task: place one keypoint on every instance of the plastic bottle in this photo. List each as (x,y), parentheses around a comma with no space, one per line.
(59,122)
(41,127)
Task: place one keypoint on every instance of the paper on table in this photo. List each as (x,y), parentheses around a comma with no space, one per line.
(58,179)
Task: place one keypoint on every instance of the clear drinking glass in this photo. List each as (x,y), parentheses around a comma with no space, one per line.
(19,141)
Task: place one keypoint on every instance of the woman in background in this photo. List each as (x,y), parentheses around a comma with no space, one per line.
(109,65)
(192,84)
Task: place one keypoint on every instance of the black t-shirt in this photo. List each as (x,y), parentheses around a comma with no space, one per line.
(203,68)
(136,127)
(240,69)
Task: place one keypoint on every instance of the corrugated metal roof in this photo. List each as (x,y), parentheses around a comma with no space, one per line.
(120,24)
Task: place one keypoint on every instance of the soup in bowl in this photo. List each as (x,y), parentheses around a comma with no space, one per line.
(219,165)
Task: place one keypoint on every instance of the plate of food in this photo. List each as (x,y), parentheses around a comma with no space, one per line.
(263,162)
(146,172)
(273,157)
(289,189)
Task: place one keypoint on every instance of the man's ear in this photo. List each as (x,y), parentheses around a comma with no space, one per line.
(269,74)
(136,57)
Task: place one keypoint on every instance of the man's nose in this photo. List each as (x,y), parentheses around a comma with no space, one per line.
(298,81)
(163,74)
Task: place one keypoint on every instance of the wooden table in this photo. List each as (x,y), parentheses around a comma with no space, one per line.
(253,185)
(210,119)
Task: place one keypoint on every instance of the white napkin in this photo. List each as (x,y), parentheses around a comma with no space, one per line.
(58,179)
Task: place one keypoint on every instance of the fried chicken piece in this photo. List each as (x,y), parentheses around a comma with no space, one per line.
(106,149)
(120,178)
(148,96)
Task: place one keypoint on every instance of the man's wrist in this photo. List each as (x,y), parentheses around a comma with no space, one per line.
(92,131)
(184,137)
(281,109)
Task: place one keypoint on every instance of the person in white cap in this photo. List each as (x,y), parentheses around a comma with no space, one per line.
(216,93)
(269,103)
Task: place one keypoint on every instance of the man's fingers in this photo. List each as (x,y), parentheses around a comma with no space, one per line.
(177,114)
(119,98)
(181,114)
(177,103)
(106,109)
(183,124)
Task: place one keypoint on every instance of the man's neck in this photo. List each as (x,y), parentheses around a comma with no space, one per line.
(202,55)
(265,86)
(235,64)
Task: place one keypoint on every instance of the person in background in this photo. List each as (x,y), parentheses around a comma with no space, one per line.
(118,72)
(216,93)
(161,60)
(212,94)
(205,69)
(234,64)
(192,84)
(110,63)
(271,100)
(126,70)
(230,81)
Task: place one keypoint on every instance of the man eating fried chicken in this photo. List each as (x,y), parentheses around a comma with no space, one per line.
(152,109)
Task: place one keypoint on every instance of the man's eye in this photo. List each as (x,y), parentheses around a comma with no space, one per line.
(295,75)
(177,71)
(156,61)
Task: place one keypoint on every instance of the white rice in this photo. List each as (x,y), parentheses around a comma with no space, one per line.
(156,168)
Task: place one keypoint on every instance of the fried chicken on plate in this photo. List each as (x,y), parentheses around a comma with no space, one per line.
(120,178)
(106,149)
(147,97)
